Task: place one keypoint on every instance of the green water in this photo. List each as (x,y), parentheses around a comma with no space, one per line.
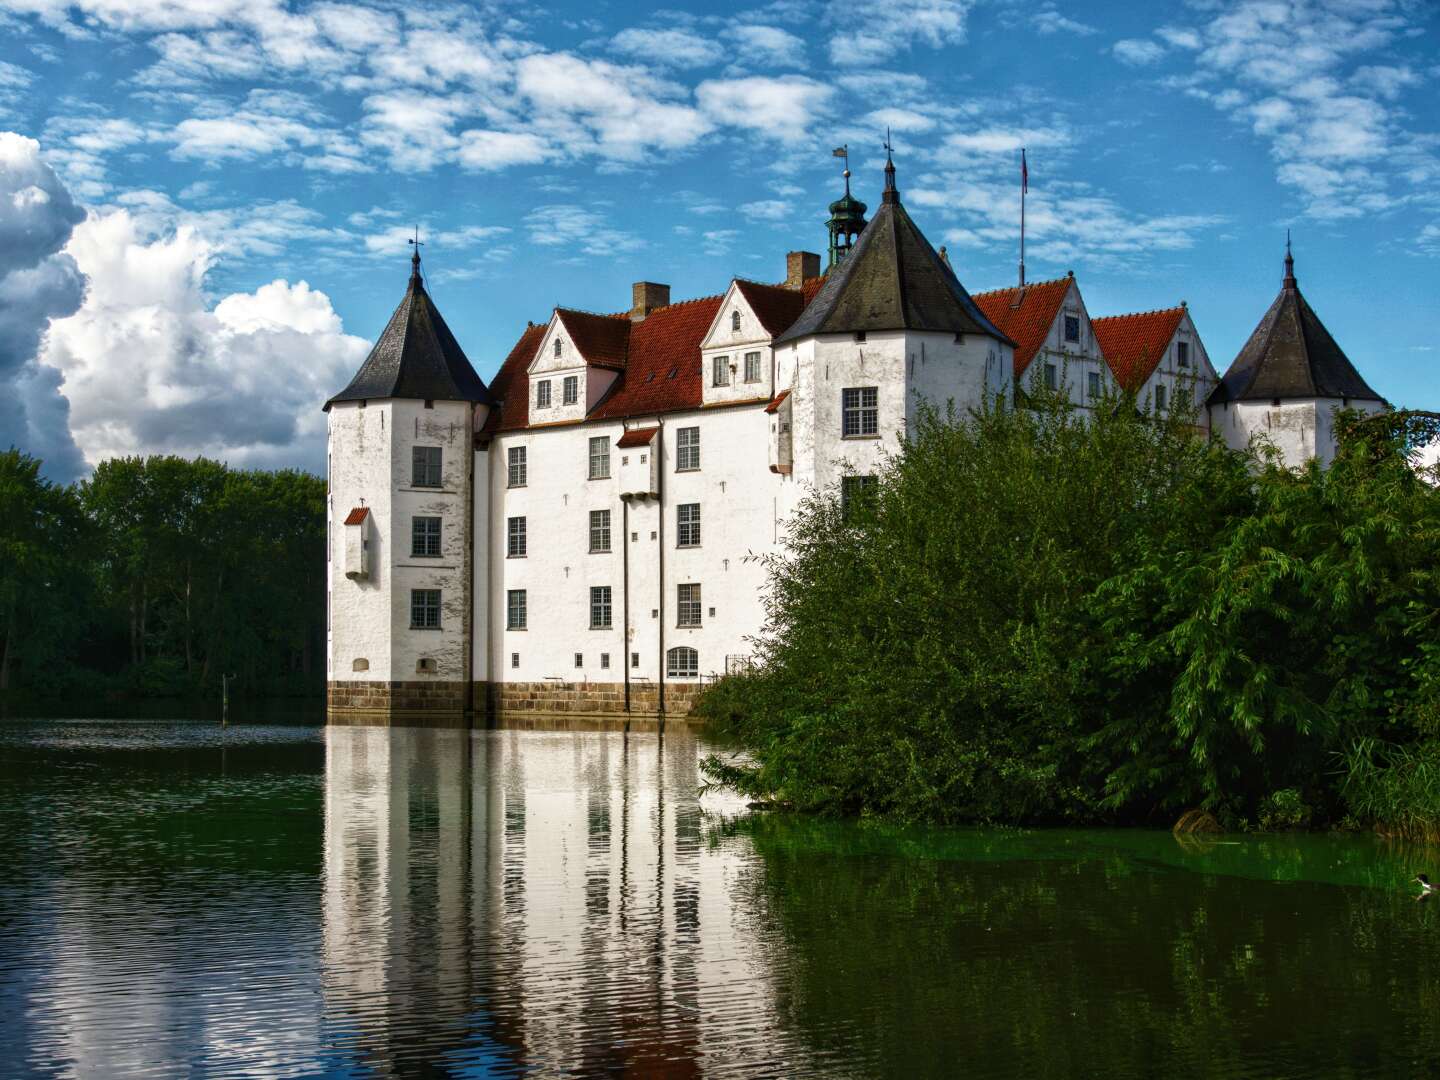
(180,899)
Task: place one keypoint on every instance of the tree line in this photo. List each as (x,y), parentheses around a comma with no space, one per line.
(157,575)
(1034,617)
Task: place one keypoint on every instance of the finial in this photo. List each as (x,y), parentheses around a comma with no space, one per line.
(1289,281)
(417,244)
(844,152)
(891,195)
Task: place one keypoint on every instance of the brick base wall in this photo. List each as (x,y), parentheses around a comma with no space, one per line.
(431,703)
(556,706)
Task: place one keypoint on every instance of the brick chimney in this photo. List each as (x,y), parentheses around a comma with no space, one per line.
(646,297)
(800,265)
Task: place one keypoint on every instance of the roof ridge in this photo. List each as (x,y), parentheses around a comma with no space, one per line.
(596,314)
(1138,314)
(1027,285)
(682,303)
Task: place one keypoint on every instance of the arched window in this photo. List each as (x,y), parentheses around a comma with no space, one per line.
(559,346)
(735,321)
(682,662)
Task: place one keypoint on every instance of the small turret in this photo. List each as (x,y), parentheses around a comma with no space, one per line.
(847,217)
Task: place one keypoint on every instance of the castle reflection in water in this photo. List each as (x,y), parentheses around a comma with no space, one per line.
(556,910)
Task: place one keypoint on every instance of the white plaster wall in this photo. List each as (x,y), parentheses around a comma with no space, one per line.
(1199,377)
(734,344)
(1300,428)
(1074,360)
(359,467)
(942,371)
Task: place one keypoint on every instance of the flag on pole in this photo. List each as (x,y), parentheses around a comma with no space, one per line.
(840,151)
(1024,172)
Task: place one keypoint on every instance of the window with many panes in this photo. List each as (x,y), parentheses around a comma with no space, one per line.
(425,466)
(1182,353)
(860,406)
(579,659)
(1092,383)
(604,660)
(856,492)
(687,449)
(1052,377)
(682,662)
(1160,395)
(600,607)
(735,321)
(425,609)
(687,525)
(1072,327)
(687,605)
(599,530)
(542,394)
(570,392)
(720,371)
(600,457)
(425,537)
(517,612)
(519,474)
(515,537)
(752,367)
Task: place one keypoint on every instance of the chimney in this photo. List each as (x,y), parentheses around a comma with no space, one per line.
(800,265)
(647,296)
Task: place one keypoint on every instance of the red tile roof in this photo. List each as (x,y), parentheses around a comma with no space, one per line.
(1025,313)
(662,373)
(774,305)
(1133,344)
(358,515)
(636,437)
(511,385)
(600,339)
(778,400)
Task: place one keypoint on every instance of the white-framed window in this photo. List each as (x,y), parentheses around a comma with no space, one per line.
(1072,327)
(735,322)
(559,346)
(1160,396)
(542,393)
(855,492)
(579,659)
(600,607)
(720,371)
(425,609)
(860,408)
(687,449)
(604,661)
(687,525)
(1052,377)
(570,390)
(515,538)
(425,466)
(752,367)
(518,474)
(682,662)
(514,659)
(516,610)
(425,537)
(1182,354)
(599,530)
(600,457)
(1092,383)
(687,605)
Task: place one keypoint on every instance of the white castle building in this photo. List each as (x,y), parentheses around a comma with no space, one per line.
(575,543)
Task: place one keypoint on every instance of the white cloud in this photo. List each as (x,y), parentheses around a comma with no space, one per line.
(782,107)
(766,210)
(1387,80)
(1138,52)
(874,31)
(668,48)
(1049,20)
(491,151)
(1179,37)
(768,45)
(718,242)
(578,230)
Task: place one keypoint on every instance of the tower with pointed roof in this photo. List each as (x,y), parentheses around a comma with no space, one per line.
(402,512)
(847,221)
(1288,381)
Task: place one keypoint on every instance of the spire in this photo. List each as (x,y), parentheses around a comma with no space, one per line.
(847,215)
(1289,282)
(417,244)
(891,195)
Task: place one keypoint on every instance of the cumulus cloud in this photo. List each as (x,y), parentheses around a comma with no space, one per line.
(578,229)
(783,107)
(768,45)
(669,48)
(870,32)
(1138,52)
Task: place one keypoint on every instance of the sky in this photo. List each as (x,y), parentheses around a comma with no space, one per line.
(204,205)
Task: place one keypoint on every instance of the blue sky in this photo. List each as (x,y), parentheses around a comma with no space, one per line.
(205,203)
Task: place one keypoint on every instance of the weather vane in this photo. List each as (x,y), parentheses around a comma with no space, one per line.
(844,152)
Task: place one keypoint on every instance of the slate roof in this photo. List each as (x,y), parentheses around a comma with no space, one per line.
(1025,313)
(1133,344)
(415,356)
(892,279)
(1291,355)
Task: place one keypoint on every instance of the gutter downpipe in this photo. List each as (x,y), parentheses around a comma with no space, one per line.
(660,502)
(625,601)
(470,563)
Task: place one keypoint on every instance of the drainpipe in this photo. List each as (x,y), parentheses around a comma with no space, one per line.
(660,502)
(469,665)
(625,601)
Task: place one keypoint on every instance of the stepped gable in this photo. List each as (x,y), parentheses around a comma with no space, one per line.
(662,373)
(892,280)
(416,356)
(1291,355)
(1133,344)
(776,306)
(1025,313)
(600,339)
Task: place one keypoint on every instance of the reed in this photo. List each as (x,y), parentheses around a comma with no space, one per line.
(1394,789)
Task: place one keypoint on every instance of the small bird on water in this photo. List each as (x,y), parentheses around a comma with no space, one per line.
(1426,889)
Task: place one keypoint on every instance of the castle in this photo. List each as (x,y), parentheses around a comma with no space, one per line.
(572,544)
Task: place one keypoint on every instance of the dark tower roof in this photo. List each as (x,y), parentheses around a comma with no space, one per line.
(1291,355)
(892,280)
(416,356)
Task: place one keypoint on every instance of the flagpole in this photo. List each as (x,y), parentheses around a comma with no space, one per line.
(1024,185)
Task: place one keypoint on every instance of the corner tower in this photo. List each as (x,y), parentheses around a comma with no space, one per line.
(1288,381)
(401,511)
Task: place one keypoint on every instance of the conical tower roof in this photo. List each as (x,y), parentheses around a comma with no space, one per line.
(416,356)
(1291,355)
(892,280)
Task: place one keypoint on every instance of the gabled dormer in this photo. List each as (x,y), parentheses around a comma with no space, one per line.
(1158,356)
(737,355)
(1055,345)
(580,356)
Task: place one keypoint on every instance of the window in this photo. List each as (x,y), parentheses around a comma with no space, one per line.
(425,609)
(682,663)
(600,457)
(1092,383)
(559,346)
(1182,353)
(600,607)
(634,659)
(579,659)
(570,392)
(425,537)
(687,525)
(735,321)
(1182,398)
(516,612)
(687,605)
(861,408)
(425,466)
(859,337)
(1072,327)
(599,530)
(720,371)
(687,449)
(604,660)
(514,659)
(752,367)
(542,393)
(856,492)
(519,474)
(515,538)
(1159,396)
(1052,377)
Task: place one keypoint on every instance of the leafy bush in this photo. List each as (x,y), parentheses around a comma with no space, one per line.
(1283,809)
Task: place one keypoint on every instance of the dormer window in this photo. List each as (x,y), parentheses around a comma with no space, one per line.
(559,346)
(735,321)
(571,389)
(720,371)
(542,393)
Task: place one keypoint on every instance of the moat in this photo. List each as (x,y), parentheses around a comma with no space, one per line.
(181,899)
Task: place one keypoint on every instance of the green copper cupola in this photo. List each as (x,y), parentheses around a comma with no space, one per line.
(847,217)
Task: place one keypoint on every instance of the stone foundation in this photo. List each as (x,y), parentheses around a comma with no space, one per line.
(427,703)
